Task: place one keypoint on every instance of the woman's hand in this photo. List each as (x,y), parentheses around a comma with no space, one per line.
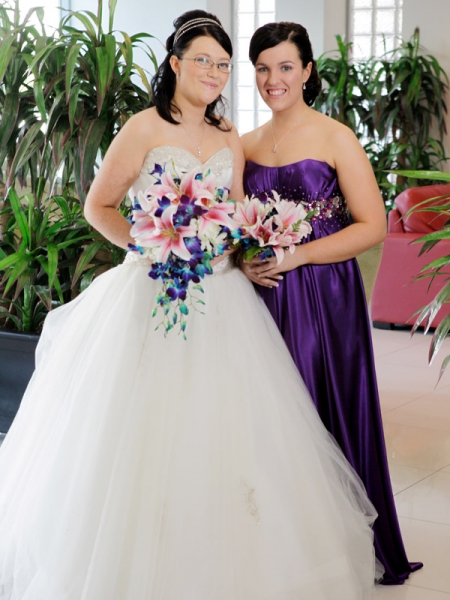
(268,272)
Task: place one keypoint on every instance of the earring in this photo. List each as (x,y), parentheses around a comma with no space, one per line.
(304,86)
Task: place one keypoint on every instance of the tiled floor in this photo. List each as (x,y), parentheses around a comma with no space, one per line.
(416,416)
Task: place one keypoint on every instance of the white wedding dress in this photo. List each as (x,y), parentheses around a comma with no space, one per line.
(146,467)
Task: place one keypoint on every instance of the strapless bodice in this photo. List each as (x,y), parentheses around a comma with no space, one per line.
(312,182)
(180,162)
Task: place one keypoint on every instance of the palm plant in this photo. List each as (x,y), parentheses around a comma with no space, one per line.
(77,89)
(439,267)
(19,122)
(393,104)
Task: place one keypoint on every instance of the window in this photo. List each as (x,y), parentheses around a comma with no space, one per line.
(52,11)
(375,26)
(249,110)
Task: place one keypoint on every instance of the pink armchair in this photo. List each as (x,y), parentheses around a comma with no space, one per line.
(396,297)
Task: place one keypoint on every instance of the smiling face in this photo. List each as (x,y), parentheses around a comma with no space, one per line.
(198,85)
(280,76)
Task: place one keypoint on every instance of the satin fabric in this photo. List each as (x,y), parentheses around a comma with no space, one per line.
(321,312)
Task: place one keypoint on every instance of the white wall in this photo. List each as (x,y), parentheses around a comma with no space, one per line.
(308,13)
(433,19)
(335,22)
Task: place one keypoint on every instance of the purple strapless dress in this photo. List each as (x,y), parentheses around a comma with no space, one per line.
(322,315)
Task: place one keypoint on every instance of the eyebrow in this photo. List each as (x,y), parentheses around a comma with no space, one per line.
(284,62)
(209,56)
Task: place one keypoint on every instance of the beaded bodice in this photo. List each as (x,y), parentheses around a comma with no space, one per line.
(220,163)
(312,182)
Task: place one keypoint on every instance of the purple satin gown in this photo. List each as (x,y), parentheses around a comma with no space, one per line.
(322,315)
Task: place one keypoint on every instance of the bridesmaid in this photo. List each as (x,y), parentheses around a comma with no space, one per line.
(315,295)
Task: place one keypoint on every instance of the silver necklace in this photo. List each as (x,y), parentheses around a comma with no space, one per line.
(198,146)
(276,144)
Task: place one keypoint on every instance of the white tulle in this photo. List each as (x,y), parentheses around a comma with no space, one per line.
(145,467)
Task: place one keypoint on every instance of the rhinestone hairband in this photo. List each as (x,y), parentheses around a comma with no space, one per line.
(194,23)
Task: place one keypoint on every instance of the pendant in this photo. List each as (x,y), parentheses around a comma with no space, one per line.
(274,149)
(199,152)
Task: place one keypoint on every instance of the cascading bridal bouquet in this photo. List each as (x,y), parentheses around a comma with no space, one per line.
(181,224)
(267,226)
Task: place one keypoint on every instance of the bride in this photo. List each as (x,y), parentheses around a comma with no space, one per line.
(145,467)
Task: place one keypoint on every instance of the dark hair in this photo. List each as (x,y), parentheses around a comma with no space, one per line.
(164,81)
(272,34)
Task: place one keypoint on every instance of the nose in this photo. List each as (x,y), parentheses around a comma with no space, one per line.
(213,70)
(272,77)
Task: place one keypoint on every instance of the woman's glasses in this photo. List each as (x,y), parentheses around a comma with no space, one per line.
(207,63)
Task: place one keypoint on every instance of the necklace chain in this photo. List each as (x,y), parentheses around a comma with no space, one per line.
(276,144)
(198,146)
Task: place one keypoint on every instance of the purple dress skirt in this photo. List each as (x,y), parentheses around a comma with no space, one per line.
(321,312)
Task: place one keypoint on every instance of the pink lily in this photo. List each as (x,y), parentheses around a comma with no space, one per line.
(219,213)
(289,213)
(248,212)
(169,238)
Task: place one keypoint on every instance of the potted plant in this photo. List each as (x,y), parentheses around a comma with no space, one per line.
(394,104)
(439,267)
(72,93)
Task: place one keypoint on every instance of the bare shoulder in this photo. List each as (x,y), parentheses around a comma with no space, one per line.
(141,122)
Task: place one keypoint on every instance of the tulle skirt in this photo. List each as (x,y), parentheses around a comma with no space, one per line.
(145,467)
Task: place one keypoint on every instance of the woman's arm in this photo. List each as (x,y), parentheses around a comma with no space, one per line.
(358,184)
(118,171)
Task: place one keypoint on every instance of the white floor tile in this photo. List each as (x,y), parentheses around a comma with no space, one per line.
(403,476)
(419,447)
(407,592)
(430,544)
(427,500)
(431,411)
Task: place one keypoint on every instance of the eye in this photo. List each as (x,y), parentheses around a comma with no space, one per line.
(203,61)
(286,68)
(224,66)
(261,70)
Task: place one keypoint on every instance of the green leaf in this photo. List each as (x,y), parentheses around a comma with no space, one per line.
(73,103)
(52,255)
(90,137)
(438,338)
(9,261)
(86,259)
(38,88)
(7,51)
(20,266)
(10,111)
(20,216)
(112,10)
(45,295)
(27,147)
(86,22)
(434,175)
(71,61)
